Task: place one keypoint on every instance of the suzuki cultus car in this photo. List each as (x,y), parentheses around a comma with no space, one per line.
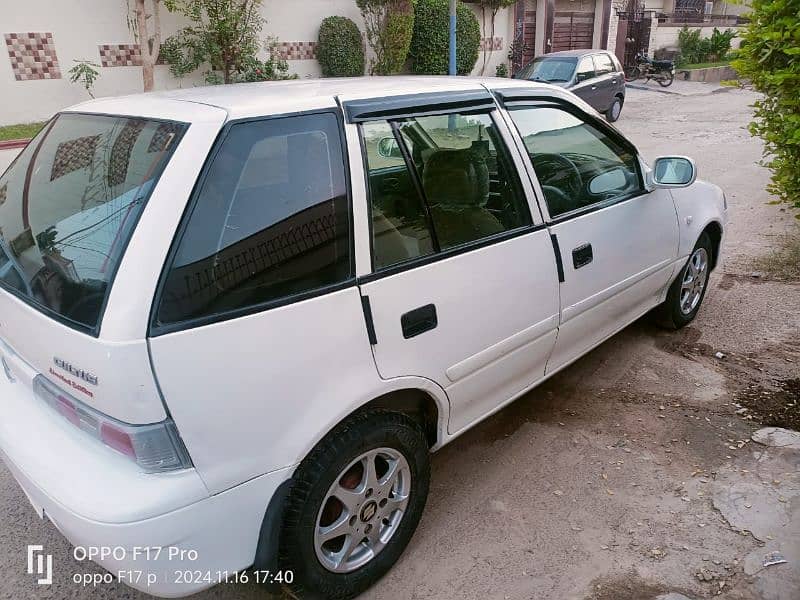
(235,321)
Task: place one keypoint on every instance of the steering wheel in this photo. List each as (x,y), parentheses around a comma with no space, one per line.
(557,171)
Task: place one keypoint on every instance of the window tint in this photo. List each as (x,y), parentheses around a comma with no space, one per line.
(461,186)
(576,163)
(270,221)
(399,225)
(69,204)
(585,69)
(603,64)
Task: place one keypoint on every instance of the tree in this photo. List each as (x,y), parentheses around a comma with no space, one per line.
(223,33)
(431,41)
(390,26)
(149,44)
(493,7)
(770,58)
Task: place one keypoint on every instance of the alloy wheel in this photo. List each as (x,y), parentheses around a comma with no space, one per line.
(362,510)
(694,281)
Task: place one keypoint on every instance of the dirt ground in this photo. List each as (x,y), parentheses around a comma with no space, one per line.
(629,475)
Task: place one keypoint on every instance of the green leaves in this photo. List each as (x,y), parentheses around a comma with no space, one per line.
(430,44)
(224,34)
(770,58)
(84,72)
(389,24)
(340,50)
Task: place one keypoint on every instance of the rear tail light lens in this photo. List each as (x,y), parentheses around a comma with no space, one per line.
(155,448)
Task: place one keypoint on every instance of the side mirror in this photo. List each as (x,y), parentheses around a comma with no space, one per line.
(388,148)
(673,172)
(583,76)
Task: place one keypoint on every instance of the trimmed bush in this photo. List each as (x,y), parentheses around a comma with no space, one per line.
(340,51)
(389,25)
(770,58)
(430,46)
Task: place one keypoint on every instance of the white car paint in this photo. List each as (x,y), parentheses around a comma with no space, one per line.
(251,396)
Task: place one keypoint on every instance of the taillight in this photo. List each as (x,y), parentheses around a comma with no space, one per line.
(155,448)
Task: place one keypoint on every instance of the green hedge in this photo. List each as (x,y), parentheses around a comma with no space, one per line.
(770,59)
(431,42)
(340,51)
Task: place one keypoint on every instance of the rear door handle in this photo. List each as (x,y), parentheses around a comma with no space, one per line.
(594,87)
(582,256)
(419,321)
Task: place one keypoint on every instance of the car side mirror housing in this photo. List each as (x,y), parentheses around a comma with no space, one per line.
(673,172)
(388,148)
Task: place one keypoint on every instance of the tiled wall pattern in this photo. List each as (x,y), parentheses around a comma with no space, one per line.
(73,155)
(297,50)
(162,134)
(121,152)
(33,56)
(120,55)
(491,43)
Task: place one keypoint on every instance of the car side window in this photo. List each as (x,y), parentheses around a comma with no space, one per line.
(603,64)
(462,186)
(585,69)
(271,220)
(577,164)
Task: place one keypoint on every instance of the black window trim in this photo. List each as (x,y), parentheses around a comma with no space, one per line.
(419,261)
(156,329)
(67,322)
(510,100)
(418,105)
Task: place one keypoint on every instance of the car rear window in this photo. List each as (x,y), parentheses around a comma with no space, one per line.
(68,205)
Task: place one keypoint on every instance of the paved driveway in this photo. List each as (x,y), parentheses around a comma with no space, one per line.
(626,476)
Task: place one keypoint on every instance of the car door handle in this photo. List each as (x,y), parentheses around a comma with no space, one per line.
(594,87)
(613,81)
(419,321)
(582,256)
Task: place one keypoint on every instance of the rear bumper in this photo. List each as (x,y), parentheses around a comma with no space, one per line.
(162,534)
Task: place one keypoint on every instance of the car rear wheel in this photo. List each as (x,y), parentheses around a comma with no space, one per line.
(612,114)
(688,290)
(355,504)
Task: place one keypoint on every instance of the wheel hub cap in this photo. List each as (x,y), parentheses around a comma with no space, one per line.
(369,511)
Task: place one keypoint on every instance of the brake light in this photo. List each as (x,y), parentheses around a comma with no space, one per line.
(155,448)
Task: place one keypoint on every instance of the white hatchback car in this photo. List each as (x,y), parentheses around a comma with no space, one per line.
(234,321)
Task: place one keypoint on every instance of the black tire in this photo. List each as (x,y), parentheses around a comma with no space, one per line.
(313,480)
(613,113)
(666,79)
(669,314)
(632,74)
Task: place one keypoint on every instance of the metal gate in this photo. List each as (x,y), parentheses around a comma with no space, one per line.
(572,30)
(634,24)
(524,46)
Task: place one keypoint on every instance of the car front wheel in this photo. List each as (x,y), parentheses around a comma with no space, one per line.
(355,504)
(688,290)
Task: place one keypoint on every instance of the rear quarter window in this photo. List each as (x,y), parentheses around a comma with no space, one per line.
(68,205)
(270,222)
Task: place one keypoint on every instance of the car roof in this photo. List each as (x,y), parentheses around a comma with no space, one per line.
(573,53)
(279,97)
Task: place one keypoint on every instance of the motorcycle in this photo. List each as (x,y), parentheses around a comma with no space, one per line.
(662,71)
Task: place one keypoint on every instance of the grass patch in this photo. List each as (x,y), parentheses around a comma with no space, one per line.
(782,263)
(20,131)
(706,65)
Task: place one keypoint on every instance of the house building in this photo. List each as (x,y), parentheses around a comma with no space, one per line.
(42,45)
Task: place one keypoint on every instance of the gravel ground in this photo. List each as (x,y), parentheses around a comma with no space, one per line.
(627,476)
